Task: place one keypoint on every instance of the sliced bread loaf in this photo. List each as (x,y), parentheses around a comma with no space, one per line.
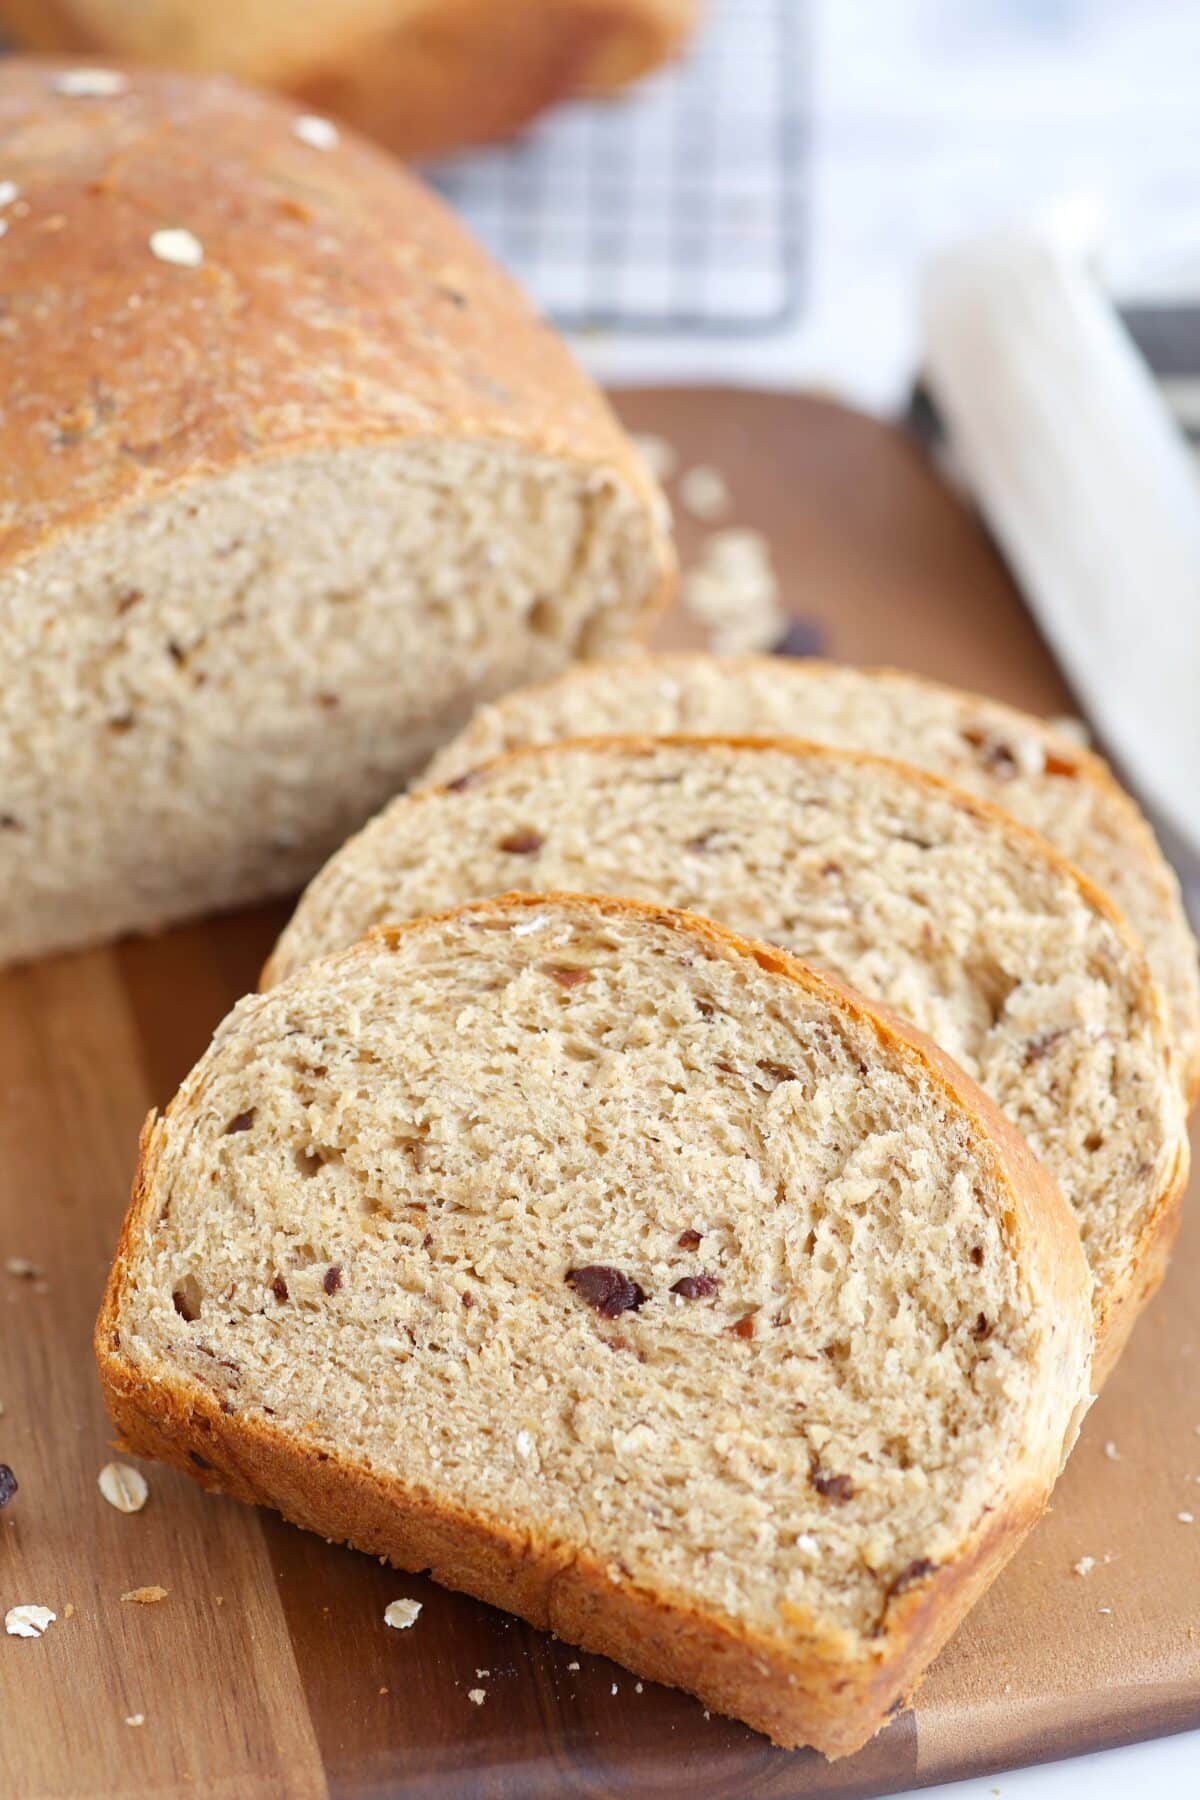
(625,1274)
(958,918)
(290,478)
(1037,774)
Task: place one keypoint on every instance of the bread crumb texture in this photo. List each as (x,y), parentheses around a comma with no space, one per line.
(517,1176)
(145,1596)
(1041,777)
(963,923)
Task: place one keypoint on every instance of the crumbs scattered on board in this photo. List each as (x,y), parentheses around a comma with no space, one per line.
(28,1621)
(401,1614)
(124,1488)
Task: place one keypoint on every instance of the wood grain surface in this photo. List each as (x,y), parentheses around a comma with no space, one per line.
(268,1670)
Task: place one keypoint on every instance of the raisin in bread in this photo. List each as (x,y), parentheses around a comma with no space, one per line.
(921,896)
(1039,775)
(291,478)
(624,1274)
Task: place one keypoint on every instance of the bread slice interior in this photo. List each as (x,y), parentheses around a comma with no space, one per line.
(620,1272)
(956,917)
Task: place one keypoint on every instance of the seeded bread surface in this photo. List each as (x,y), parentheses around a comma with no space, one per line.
(625,1274)
(291,477)
(915,893)
(1039,775)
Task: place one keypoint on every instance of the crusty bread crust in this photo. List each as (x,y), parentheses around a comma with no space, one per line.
(458,72)
(407,331)
(1117,1307)
(419,75)
(1080,763)
(819,1687)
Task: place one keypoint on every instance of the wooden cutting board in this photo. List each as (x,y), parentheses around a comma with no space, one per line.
(268,1670)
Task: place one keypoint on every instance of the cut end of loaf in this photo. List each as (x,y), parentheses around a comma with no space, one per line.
(258,661)
(585,1228)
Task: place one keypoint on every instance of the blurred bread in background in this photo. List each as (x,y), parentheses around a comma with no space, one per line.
(421,76)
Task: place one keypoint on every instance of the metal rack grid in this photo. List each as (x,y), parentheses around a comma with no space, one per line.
(678,207)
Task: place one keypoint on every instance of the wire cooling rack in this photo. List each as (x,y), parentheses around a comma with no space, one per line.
(678,207)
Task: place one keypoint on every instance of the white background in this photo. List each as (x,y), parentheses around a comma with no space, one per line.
(938,118)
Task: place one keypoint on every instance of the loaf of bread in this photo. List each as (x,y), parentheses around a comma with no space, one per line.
(1037,774)
(959,919)
(624,1274)
(290,478)
(422,76)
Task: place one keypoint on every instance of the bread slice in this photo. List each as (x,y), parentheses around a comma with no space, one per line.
(622,1273)
(1037,774)
(918,895)
(421,76)
(291,478)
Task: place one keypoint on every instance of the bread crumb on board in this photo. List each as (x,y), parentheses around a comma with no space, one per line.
(477,1696)
(401,1614)
(135,1718)
(732,590)
(705,493)
(1085,1565)
(28,1621)
(144,1596)
(124,1488)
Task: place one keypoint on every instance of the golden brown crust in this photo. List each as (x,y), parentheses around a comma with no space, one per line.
(419,75)
(467,71)
(338,305)
(812,1693)
(819,1686)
